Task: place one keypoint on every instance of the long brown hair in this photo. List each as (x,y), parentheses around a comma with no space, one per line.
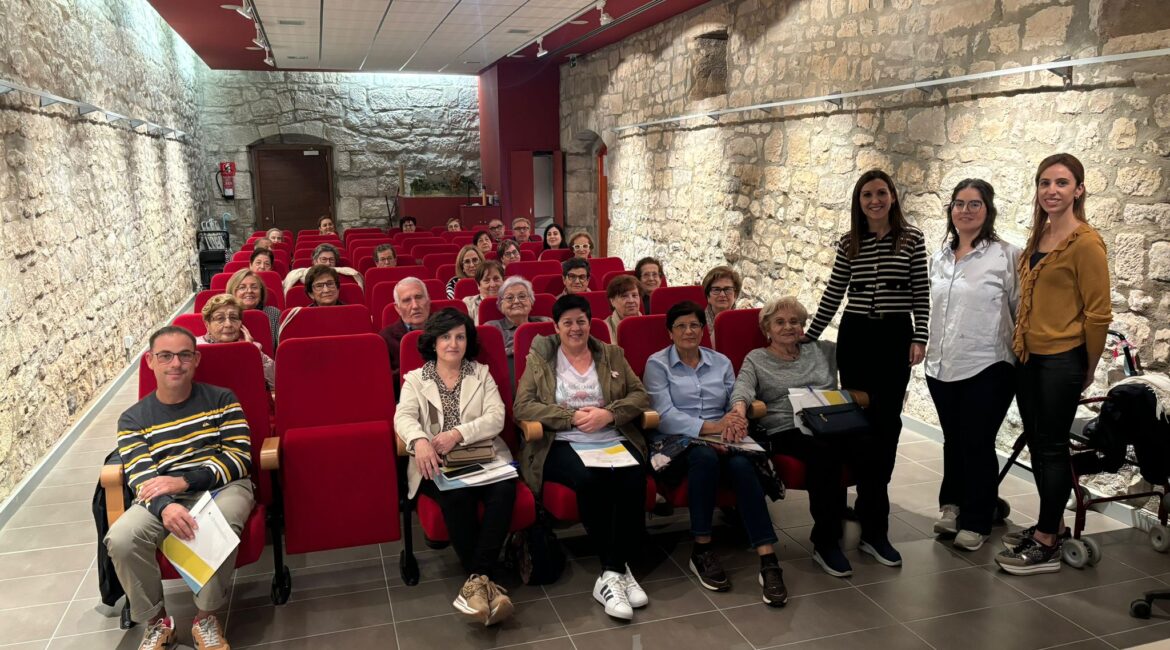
(1039,215)
(859,225)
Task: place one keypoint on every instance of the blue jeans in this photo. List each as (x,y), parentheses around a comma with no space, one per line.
(704,468)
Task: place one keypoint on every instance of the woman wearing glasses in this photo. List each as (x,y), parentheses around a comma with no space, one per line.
(722,286)
(466,264)
(508,252)
(626,300)
(250,290)
(323,285)
(515,300)
(970,366)
(224,315)
(582,245)
(648,270)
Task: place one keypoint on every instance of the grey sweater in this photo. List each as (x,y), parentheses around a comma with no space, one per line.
(766,377)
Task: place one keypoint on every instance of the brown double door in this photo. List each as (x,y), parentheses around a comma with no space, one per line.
(294,185)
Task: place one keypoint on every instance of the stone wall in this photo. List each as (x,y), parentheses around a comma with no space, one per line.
(768,192)
(95,220)
(375,122)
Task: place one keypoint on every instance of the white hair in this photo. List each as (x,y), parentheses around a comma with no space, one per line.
(514,280)
(409,279)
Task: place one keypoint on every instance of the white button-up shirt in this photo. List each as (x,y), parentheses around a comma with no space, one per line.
(972,310)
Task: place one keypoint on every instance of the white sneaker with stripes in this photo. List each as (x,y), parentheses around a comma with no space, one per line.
(610,590)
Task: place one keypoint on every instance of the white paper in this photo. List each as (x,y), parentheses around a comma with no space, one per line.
(604,454)
(493,472)
(803,398)
(198,559)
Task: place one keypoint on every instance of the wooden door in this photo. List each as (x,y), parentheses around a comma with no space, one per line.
(294,185)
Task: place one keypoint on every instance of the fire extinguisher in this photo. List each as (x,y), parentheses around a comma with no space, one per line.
(227,174)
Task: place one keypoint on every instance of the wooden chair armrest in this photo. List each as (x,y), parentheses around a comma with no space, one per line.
(861,397)
(757,410)
(531,430)
(649,420)
(111,481)
(401,446)
(270,454)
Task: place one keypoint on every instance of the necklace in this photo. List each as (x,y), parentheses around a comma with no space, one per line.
(783,356)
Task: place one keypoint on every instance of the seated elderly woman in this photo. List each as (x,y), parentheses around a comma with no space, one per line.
(648,270)
(260,260)
(582,390)
(690,387)
(575,275)
(721,286)
(224,317)
(250,290)
(275,235)
(582,245)
(508,252)
(466,264)
(766,374)
(327,255)
(483,243)
(515,299)
(488,276)
(323,286)
(263,242)
(453,401)
(626,301)
(454,225)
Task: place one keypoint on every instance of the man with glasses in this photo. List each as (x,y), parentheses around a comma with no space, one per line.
(384,256)
(521,229)
(177,443)
(575,274)
(496,230)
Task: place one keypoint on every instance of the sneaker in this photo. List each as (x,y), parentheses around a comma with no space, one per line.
(208,636)
(968,540)
(473,600)
(634,592)
(1012,540)
(948,522)
(772,581)
(159,634)
(706,568)
(1029,558)
(882,551)
(610,590)
(499,605)
(833,561)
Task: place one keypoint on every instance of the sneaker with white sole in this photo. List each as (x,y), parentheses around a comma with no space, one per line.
(473,600)
(610,590)
(499,604)
(208,635)
(159,634)
(969,540)
(948,521)
(1030,557)
(833,561)
(882,551)
(634,592)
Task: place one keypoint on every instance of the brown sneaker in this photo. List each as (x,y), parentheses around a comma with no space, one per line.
(499,605)
(208,635)
(473,600)
(159,634)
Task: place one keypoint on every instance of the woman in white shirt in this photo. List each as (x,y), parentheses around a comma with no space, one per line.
(970,367)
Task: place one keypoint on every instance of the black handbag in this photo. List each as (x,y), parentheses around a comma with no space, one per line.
(535,553)
(834,420)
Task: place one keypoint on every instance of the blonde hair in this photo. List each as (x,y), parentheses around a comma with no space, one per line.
(240,276)
(578,235)
(462,254)
(787,303)
(219,301)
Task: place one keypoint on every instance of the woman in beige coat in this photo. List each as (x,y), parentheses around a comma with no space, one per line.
(452,401)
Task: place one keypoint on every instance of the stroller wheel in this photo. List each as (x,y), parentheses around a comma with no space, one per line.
(1094,550)
(1075,554)
(1002,509)
(1139,608)
(1160,538)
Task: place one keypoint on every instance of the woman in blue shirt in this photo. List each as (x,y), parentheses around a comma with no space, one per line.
(690,387)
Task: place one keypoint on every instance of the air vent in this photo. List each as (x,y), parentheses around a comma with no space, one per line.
(298,58)
(290,22)
(519,31)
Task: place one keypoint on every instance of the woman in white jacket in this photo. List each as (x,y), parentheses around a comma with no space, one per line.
(453,401)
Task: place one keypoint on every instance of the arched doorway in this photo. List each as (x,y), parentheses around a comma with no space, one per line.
(293,177)
(586,190)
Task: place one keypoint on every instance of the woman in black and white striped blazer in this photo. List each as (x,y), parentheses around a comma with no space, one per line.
(881,265)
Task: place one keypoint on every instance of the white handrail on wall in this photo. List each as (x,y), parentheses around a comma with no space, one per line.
(84,108)
(1059,67)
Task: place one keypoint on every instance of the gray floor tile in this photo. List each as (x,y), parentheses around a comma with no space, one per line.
(532,621)
(28,645)
(580,613)
(50,536)
(1132,548)
(40,562)
(927,596)
(922,450)
(918,496)
(312,582)
(891,637)
(43,495)
(377,637)
(1016,626)
(1104,610)
(1157,632)
(110,639)
(30,623)
(82,461)
(309,617)
(1107,572)
(911,473)
(708,630)
(61,513)
(807,617)
(919,557)
(40,590)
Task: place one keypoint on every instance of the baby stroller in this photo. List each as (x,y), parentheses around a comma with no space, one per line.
(1129,417)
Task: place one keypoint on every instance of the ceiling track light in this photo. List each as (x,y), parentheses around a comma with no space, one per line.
(540,51)
(245,9)
(268,60)
(605,18)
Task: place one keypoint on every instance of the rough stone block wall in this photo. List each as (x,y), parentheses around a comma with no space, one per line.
(768,192)
(96,221)
(375,122)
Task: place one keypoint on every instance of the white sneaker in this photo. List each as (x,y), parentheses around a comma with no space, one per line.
(610,590)
(634,592)
(969,540)
(948,521)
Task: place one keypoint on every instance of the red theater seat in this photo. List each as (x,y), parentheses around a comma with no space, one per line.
(255,320)
(558,254)
(313,322)
(351,294)
(663,298)
(532,269)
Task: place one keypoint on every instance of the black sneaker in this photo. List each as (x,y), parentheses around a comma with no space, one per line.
(882,551)
(833,561)
(706,568)
(772,580)
(1012,540)
(1030,557)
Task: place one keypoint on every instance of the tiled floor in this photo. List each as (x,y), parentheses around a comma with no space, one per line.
(354,599)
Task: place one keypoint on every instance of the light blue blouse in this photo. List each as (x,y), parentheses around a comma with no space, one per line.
(685,397)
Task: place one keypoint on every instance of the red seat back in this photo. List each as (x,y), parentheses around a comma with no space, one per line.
(530,270)
(202,297)
(420,251)
(394,274)
(351,294)
(465,287)
(542,305)
(599,267)
(522,340)
(550,284)
(642,336)
(255,320)
(444,272)
(325,321)
(613,274)
(336,379)
(737,332)
(558,254)
(663,298)
(489,310)
(599,303)
(534,246)
(433,261)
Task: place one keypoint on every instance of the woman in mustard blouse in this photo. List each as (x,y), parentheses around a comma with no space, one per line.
(1063,318)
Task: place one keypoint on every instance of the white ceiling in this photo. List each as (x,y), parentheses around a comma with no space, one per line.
(451,36)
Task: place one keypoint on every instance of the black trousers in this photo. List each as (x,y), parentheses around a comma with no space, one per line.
(824,464)
(612,502)
(476,543)
(1047,393)
(873,354)
(971,411)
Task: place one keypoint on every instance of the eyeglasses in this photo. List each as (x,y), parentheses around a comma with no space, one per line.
(722,290)
(971,206)
(225,318)
(577,278)
(688,327)
(514,299)
(165,357)
(511,254)
(650,275)
(496,227)
(324,286)
(582,247)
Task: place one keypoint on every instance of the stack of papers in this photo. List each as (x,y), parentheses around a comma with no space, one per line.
(493,472)
(803,398)
(604,454)
(747,444)
(198,559)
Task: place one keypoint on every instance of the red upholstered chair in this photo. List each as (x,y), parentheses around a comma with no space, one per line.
(242,255)
(436,289)
(202,297)
(420,251)
(558,254)
(737,332)
(351,294)
(550,284)
(530,270)
(465,287)
(394,274)
(535,246)
(354,246)
(313,322)
(663,298)
(598,303)
(542,305)
(527,256)
(219,282)
(489,310)
(335,422)
(613,274)
(462,238)
(255,320)
(599,267)
(444,272)
(364,263)
(434,261)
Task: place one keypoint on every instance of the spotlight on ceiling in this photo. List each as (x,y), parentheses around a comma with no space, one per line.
(540,51)
(268,60)
(244,9)
(605,18)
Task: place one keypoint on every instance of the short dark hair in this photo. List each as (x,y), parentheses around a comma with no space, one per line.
(505,244)
(259,252)
(318,270)
(410,219)
(480,234)
(323,217)
(385,247)
(644,262)
(569,302)
(575,263)
(987,194)
(439,324)
(172,329)
(620,284)
(685,308)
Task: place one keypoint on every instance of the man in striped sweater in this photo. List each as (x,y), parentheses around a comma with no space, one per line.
(177,443)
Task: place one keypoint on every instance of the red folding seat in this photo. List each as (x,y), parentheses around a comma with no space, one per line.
(362,250)
(438,230)
(351,294)
(202,297)
(663,298)
(444,272)
(462,239)
(314,322)
(599,267)
(599,303)
(242,255)
(430,516)
(550,284)
(219,281)
(335,427)
(255,320)
(542,305)
(432,262)
(558,254)
(465,287)
(489,310)
(737,332)
(394,274)
(419,251)
(535,247)
(533,269)
(364,241)
(365,263)
(611,275)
